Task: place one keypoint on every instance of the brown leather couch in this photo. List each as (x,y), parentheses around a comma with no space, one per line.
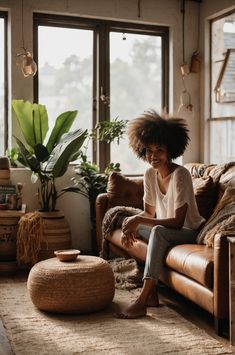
(196,271)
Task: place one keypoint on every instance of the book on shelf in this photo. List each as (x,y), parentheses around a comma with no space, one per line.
(6,190)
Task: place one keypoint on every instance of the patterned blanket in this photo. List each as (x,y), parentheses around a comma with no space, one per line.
(222,219)
(113,220)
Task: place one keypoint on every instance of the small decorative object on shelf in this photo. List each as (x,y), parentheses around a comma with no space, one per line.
(11,200)
(19,195)
(6,190)
(10,197)
(8,234)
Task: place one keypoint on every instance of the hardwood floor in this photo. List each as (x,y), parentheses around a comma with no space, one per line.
(185,308)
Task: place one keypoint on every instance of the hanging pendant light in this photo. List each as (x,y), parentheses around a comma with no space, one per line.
(27,65)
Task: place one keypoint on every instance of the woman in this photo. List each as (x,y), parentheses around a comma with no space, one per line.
(170,214)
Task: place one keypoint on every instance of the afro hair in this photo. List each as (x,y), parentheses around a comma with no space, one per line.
(150,128)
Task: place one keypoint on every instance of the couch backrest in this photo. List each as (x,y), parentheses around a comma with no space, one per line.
(209,183)
(125,191)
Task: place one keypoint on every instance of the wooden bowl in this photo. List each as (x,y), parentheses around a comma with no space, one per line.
(67,254)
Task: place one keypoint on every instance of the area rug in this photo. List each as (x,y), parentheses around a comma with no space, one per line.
(163,331)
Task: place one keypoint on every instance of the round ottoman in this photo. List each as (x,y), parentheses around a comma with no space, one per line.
(81,286)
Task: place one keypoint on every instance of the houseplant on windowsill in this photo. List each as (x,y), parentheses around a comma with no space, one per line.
(47,160)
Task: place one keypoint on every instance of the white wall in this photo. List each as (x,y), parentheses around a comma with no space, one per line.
(165,12)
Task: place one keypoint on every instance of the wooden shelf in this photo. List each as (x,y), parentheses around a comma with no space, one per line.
(13,213)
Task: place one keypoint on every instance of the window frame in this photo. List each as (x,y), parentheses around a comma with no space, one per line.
(4,15)
(101,65)
(214,118)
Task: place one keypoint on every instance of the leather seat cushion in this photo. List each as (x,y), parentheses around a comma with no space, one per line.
(194,261)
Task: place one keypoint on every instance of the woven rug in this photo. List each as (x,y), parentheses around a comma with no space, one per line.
(163,331)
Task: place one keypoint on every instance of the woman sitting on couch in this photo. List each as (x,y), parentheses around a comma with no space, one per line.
(170,214)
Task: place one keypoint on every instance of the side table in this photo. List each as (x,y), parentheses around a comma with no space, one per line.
(231,240)
(8,232)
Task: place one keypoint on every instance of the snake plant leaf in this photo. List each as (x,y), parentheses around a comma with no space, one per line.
(62,125)
(41,152)
(67,150)
(33,121)
(29,160)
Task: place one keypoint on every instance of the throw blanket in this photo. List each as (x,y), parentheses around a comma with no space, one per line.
(113,220)
(220,169)
(127,273)
(222,219)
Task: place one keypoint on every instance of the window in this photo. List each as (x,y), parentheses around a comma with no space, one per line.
(3,84)
(125,63)
(222,120)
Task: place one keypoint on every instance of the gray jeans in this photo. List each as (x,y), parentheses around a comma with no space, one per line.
(159,239)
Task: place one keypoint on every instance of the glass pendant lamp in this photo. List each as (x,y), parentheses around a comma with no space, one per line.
(27,64)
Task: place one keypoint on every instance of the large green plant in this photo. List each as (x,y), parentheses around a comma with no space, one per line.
(47,160)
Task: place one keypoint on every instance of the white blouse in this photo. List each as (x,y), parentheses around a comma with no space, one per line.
(180,191)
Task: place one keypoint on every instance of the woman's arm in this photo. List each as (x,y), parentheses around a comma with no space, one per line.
(176,222)
(147,217)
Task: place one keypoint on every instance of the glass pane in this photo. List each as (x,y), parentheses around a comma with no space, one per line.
(222,132)
(223,38)
(135,86)
(65,73)
(2,91)
(222,141)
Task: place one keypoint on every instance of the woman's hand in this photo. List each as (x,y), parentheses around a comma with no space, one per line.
(129,225)
(128,239)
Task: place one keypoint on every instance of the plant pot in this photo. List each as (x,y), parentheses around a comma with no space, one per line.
(56,234)
(40,234)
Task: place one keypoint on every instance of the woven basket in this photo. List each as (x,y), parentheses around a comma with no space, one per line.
(56,234)
(82,286)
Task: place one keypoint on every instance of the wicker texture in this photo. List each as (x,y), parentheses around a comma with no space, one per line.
(55,234)
(81,286)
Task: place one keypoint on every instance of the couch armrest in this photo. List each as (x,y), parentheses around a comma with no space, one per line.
(101,208)
(221,276)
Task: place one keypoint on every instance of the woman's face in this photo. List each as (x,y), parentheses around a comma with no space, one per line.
(157,155)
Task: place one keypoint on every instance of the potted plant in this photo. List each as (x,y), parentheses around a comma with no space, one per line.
(48,161)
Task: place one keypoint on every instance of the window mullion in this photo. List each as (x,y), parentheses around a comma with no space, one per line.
(103,149)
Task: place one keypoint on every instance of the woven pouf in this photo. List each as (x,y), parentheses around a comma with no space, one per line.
(81,286)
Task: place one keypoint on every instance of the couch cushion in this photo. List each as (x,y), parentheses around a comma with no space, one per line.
(124,191)
(206,194)
(194,261)
(199,169)
(222,219)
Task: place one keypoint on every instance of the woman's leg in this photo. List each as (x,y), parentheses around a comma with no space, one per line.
(160,240)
